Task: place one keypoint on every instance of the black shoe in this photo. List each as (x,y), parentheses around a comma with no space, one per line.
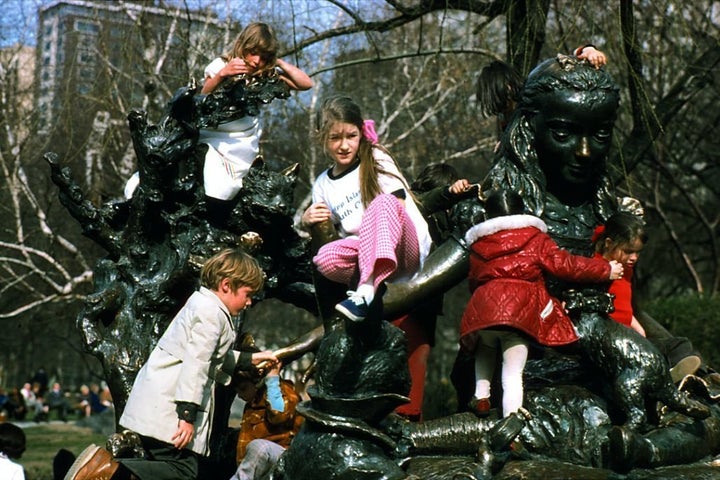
(629,450)
(503,434)
(479,406)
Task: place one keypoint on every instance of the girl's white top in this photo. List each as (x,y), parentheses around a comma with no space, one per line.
(232,148)
(342,196)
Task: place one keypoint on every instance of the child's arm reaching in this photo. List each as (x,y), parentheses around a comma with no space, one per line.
(293,76)
(274,394)
(588,52)
(460,186)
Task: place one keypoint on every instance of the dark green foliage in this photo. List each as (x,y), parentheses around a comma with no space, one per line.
(694,316)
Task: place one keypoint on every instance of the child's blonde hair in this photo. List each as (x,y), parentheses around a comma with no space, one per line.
(256,39)
(237,266)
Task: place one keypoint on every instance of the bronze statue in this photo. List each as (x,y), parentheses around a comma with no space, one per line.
(157,240)
(553,152)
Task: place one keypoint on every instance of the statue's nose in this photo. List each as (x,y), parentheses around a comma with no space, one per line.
(583,148)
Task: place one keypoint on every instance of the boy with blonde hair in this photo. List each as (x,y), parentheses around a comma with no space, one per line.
(171,403)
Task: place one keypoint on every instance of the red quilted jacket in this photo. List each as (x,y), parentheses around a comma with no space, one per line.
(509,257)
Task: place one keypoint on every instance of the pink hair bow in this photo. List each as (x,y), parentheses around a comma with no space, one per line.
(368,131)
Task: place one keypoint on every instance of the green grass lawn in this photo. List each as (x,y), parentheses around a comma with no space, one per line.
(44,441)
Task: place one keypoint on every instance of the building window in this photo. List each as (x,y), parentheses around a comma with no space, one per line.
(87,73)
(85,58)
(87,27)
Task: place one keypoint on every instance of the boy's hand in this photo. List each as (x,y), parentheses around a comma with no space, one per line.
(264,356)
(265,362)
(184,434)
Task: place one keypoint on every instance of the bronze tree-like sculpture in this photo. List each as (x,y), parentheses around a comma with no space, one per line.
(157,240)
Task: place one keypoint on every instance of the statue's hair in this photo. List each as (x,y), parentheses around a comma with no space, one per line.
(517,153)
(503,202)
(566,73)
(237,266)
(343,109)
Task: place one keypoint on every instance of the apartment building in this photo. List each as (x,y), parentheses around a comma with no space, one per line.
(97,60)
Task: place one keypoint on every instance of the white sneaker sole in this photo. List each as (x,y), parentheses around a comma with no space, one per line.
(347,313)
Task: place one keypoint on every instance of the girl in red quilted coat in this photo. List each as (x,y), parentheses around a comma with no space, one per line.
(510,306)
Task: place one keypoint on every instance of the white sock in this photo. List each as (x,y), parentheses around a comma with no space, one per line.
(367,291)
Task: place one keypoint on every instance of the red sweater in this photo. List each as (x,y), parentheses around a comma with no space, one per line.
(622,289)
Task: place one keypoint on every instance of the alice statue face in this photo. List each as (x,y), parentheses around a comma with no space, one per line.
(573,131)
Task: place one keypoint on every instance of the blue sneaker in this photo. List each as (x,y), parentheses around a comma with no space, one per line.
(354,307)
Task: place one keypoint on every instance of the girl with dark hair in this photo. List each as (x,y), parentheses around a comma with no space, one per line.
(621,239)
(383,234)
(499,86)
(510,305)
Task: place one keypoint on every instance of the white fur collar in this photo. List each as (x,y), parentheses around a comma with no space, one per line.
(507,222)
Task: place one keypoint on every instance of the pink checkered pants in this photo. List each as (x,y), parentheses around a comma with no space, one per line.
(387,246)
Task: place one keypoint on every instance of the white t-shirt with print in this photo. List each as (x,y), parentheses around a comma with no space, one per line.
(342,196)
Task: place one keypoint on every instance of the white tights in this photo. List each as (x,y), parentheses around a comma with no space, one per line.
(515,352)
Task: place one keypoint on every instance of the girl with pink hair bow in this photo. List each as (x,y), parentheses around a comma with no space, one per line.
(383,235)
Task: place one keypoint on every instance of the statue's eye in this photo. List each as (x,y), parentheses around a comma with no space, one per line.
(560,134)
(602,135)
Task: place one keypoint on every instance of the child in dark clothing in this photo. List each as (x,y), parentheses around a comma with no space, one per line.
(437,189)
